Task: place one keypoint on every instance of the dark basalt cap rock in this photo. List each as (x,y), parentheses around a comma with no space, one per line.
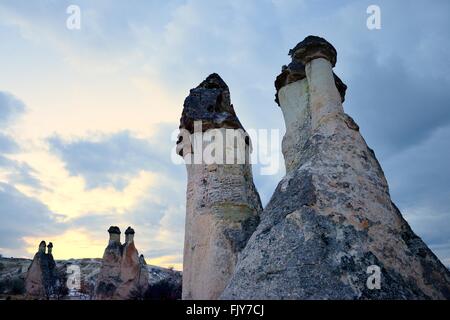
(129,230)
(114,229)
(50,245)
(314,47)
(295,71)
(210,103)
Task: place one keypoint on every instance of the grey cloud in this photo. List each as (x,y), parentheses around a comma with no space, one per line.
(10,108)
(23,216)
(19,172)
(113,159)
(419,179)
(7,144)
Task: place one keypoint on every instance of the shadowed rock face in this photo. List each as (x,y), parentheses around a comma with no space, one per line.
(331,217)
(223,206)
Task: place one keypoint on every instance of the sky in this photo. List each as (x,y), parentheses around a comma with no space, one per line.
(87,115)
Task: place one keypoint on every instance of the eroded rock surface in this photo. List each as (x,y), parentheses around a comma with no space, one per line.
(41,277)
(122,271)
(223,206)
(331,217)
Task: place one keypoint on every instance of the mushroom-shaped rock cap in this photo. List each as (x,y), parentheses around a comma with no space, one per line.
(114,229)
(50,245)
(129,230)
(314,47)
(295,71)
(210,103)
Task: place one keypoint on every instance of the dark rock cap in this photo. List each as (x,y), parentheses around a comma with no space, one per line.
(129,230)
(114,229)
(42,243)
(50,245)
(313,47)
(142,260)
(295,71)
(210,103)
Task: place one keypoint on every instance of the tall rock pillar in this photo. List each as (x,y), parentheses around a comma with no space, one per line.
(330,230)
(41,277)
(223,206)
(123,274)
(109,277)
(133,272)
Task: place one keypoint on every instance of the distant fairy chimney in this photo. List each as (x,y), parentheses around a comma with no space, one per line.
(49,248)
(114,234)
(129,235)
(122,271)
(41,277)
(42,246)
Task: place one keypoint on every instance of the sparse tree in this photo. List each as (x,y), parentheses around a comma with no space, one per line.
(17,286)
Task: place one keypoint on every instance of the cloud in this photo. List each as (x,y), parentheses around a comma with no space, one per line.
(18,172)
(23,216)
(7,144)
(111,160)
(419,179)
(15,171)
(10,108)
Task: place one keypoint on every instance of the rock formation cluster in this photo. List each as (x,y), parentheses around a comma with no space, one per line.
(330,220)
(123,271)
(41,278)
(223,205)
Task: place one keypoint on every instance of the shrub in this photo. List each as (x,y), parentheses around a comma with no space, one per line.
(17,286)
(2,286)
(163,290)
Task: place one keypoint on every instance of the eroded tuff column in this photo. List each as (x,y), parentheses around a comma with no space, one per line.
(330,220)
(133,272)
(223,206)
(123,272)
(109,277)
(41,276)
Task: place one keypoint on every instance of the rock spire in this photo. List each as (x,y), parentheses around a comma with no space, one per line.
(330,230)
(223,206)
(41,278)
(123,271)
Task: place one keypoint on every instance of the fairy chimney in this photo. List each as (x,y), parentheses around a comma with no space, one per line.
(129,235)
(122,271)
(109,277)
(41,277)
(223,206)
(49,248)
(330,230)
